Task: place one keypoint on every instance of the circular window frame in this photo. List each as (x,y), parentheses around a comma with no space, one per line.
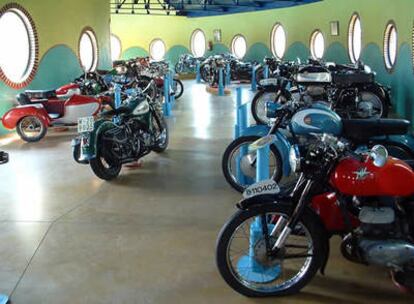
(120,44)
(192,42)
(312,44)
(33,64)
(88,30)
(389,65)
(150,47)
(272,44)
(232,46)
(351,32)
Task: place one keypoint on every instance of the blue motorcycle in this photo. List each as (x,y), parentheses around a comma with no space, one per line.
(294,123)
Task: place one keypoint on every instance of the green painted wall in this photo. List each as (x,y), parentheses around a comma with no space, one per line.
(299,23)
(59,25)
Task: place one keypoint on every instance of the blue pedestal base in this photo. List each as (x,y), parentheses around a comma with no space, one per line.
(252,271)
(4,299)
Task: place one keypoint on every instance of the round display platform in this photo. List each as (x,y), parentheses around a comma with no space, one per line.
(215,91)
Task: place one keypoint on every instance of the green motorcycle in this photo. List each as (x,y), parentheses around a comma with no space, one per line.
(121,136)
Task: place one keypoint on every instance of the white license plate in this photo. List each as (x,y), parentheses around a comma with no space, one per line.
(264,187)
(86,124)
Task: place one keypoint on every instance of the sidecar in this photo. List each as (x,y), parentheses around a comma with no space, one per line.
(39,110)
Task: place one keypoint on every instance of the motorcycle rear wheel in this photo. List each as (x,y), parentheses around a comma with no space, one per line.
(264,276)
(179,88)
(104,169)
(31,129)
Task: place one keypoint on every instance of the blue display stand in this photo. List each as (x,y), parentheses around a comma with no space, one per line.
(198,74)
(4,299)
(172,85)
(241,114)
(221,83)
(228,75)
(248,267)
(254,84)
(167,105)
(117,100)
(266,72)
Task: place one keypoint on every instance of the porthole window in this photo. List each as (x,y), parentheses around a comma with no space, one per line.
(239,46)
(198,43)
(390,45)
(19,46)
(116,47)
(355,38)
(88,50)
(278,40)
(157,49)
(317,45)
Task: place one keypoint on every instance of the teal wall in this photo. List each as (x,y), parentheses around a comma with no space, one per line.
(59,25)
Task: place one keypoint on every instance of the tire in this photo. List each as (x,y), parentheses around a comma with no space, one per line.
(28,122)
(309,221)
(164,145)
(257,107)
(103,172)
(232,149)
(179,88)
(379,99)
(259,74)
(204,74)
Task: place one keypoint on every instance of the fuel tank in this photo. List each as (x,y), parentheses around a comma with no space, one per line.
(363,178)
(318,119)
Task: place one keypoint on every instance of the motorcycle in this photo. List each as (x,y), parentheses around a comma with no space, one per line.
(39,110)
(106,144)
(241,71)
(187,64)
(294,123)
(350,89)
(278,240)
(271,63)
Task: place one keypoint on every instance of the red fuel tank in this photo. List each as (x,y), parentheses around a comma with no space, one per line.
(353,177)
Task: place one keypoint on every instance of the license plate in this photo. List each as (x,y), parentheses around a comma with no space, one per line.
(264,187)
(86,124)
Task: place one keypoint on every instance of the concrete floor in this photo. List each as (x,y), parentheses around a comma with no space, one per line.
(149,236)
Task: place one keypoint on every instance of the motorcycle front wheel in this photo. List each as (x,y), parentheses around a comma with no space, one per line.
(258,106)
(162,135)
(243,260)
(104,168)
(179,88)
(239,166)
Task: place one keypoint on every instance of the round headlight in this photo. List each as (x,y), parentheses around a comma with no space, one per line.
(294,158)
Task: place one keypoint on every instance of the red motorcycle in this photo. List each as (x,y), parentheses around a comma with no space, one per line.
(278,240)
(39,110)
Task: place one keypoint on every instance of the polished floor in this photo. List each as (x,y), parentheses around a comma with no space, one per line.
(149,236)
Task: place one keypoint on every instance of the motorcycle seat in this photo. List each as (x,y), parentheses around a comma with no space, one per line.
(361,130)
(40,94)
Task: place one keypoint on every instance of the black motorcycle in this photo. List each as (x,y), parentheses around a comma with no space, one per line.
(350,89)
(187,64)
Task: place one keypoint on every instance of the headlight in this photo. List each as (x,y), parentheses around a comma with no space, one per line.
(142,108)
(294,158)
(367,69)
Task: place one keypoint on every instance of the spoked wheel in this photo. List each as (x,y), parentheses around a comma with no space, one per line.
(31,129)
(162,135)
(178,88)
(246,262)
(239,166)
(259,105)
(371,105)
(104,168)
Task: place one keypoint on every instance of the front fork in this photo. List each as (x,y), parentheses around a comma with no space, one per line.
(283,226)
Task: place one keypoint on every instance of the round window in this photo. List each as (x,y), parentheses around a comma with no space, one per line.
(198,43)
(19,46)
(239,46)
(88,50)
(355,38)
(278,41)
(116,47)
(157,49)
(390,45)
(317,45)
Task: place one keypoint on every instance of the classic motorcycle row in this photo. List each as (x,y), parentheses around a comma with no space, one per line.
(351,177)
(87,95)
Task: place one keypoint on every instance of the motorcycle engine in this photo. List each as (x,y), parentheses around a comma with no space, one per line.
(381,240)
(315,91)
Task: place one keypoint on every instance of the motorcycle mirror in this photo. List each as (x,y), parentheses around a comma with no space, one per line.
(379,155)
(262,142)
